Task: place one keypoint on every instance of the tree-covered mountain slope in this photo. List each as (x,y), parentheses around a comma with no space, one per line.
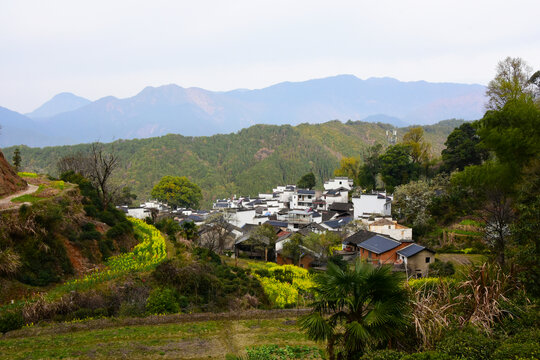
(250,161)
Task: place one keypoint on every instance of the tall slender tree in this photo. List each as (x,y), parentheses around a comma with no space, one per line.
(17,159)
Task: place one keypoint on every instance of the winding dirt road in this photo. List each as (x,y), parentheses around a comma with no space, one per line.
(5,203)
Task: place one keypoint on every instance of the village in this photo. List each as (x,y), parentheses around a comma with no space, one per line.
(362,225)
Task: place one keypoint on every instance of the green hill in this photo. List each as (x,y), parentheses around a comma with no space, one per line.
(250,161)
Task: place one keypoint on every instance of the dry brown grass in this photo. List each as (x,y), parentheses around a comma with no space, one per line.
(475,301)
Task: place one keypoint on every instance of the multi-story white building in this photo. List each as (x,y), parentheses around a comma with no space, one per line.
(372,204)
(303,199)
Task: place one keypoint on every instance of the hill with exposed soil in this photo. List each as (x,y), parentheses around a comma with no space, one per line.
(10,182)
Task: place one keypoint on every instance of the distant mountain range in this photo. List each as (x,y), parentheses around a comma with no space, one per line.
(69,119)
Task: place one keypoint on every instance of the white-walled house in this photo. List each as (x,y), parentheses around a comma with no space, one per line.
(372,204)
(139,213)
(338,182)
(339,195)
(240,218)
(303,199)
(391,228)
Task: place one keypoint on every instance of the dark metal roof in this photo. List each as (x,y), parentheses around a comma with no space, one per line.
(221,205)
(277,223)
(195,218)
(338,223)
(306,192)
(379,244)
(412,250)
(359,237)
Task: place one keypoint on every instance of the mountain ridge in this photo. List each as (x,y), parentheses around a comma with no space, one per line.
(60,103)
(193,111)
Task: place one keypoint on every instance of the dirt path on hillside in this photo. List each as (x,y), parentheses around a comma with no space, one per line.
(5,203)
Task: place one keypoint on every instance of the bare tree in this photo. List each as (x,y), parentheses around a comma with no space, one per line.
(78,163)
(97,166)
(497,214)
(216,233)
(102,166)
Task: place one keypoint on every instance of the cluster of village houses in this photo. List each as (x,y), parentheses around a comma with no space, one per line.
(290,210)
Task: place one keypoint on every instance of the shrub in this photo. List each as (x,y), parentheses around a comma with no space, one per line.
(517,351)
(162,301)
(467,344)
(206,255)
(274,352)
(11,320)
(383,355)
(441,268)
(429,355)
(118,230)
(166,273)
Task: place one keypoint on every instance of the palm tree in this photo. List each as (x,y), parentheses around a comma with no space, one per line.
(357,309)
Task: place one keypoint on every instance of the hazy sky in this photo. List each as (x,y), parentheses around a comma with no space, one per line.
(97,48)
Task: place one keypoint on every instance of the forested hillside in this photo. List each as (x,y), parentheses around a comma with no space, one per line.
(247,162)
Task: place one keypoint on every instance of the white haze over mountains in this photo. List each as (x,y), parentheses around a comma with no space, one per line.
(155,111)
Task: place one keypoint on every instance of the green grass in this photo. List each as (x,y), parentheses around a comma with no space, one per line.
(197,340)
(471,223)
(465,232)
(26,198)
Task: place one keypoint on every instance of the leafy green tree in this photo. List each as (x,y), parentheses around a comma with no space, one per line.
(367,176)
(307,181)
(293,248)
(266,234)
(357,309)
(420,148)
(511,82)
(397,166)
(189,230)
(17,159)
(512,132)
(177,191)
(322,243)
(490,184)
(348,167)
(462,149)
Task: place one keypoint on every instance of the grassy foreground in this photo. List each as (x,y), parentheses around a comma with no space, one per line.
(191,340)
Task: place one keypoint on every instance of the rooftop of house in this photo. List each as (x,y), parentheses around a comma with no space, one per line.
(382,222)
(305,192)
(412,250)
(338,223)
(277,223)
(340,206)
(248,227)
(379,244)
(358,237)
(309,228)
